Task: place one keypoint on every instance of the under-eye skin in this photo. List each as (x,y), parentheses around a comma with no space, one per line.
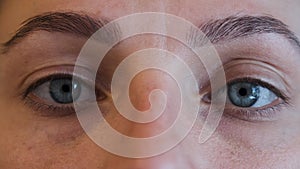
(55,95)
(252,100)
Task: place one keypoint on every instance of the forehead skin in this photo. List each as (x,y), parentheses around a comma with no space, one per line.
(196,11)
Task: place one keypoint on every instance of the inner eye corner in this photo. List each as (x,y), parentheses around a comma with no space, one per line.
(101,96)
(206,97)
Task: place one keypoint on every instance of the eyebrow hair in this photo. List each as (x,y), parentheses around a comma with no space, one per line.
(77,24)
(231,27)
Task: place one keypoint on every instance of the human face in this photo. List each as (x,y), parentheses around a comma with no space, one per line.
(39,129)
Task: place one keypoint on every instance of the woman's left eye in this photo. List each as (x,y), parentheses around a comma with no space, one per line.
(251,99)
(248,94)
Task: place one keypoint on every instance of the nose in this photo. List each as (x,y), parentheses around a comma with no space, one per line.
(139,94)
(140,88)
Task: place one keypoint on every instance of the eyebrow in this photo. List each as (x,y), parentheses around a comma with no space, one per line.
(83,25)
(233,27)
(78,24)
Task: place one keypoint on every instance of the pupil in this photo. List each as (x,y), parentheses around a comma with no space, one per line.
(243,92)
(66,88)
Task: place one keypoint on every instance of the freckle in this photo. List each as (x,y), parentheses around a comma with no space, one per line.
(29,148)
(25,61)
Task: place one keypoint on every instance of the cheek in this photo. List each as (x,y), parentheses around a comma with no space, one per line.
(50,147)
(237,144)
(33,140)
(62,131)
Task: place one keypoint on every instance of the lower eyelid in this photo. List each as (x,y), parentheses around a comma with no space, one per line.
(48,109)
(268,113)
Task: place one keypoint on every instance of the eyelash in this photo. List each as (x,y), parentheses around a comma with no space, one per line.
(266,113)
(261,83)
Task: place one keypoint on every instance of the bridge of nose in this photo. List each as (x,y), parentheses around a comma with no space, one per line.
(140,88)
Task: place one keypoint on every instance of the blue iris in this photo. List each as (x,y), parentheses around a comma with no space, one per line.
(63,91)
(243,94)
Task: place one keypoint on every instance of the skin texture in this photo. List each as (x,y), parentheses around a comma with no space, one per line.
(31,140)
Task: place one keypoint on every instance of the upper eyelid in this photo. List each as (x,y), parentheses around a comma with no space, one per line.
(48,78)
(98,88)
(43,80)
(42,74)
(259,70)
(267,85)
(267,65)
(261,83)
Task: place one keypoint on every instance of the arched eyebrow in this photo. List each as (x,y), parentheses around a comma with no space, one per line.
(77,24)
(83,25)
(233,27)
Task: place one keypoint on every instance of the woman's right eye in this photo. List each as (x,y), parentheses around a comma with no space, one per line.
(60,92)
(63,91)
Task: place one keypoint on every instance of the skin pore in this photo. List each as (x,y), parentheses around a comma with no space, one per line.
(36,135)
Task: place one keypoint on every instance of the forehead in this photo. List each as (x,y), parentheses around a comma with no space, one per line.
(197,11)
